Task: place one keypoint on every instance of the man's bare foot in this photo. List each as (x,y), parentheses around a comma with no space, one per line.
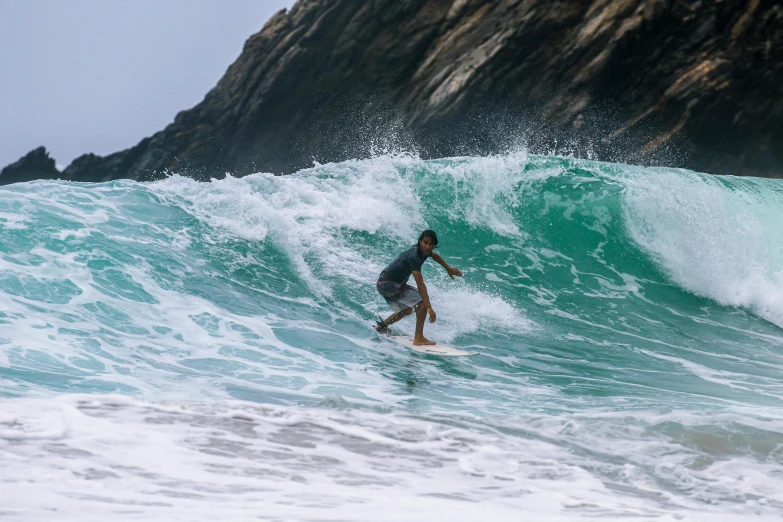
(422,341)
(381,327)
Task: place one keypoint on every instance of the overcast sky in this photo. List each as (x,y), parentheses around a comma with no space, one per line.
(82,76)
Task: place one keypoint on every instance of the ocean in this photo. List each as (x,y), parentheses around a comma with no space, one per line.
(186,351)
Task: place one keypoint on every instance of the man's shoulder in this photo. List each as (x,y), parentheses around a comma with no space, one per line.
(415,254)
(412,251)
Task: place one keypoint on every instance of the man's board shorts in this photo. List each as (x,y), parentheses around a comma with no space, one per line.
(399,296)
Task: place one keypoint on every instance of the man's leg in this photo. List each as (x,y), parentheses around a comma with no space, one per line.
(405,303)
(393,318)
(381,326)
(421,315)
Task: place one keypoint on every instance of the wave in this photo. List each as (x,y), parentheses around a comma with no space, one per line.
(579,275)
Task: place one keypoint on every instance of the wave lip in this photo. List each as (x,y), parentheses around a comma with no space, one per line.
(716,237)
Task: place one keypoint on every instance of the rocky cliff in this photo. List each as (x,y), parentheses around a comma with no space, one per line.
(679,82)
(35,165)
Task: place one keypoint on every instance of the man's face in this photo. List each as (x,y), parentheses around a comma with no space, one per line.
(426,245)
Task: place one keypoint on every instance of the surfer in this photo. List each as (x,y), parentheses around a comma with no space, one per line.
(403,298)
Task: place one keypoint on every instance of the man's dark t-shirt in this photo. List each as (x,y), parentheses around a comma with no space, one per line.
(401,268)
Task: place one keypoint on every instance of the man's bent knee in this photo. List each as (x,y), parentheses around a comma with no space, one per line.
(403,313)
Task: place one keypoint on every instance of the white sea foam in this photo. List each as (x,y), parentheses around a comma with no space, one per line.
(462,310)
(483,190)
(12,221)
(112,457)
(308,214)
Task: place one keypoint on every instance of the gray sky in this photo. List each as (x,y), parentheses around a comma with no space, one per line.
(82,76)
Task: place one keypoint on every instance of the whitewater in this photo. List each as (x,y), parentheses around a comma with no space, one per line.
(178,350)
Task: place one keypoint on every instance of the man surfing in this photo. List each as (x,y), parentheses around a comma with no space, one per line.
(403,298)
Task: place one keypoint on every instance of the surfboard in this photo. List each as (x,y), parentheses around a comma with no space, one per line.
(435,349)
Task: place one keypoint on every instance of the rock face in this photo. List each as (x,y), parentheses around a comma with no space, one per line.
(35,165)
(678,82)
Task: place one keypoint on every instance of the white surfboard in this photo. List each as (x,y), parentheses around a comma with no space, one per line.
(433,349)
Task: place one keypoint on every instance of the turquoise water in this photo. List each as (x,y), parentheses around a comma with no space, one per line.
(629,323)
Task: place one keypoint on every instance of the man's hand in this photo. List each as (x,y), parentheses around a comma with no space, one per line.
(454,272)
(433,316)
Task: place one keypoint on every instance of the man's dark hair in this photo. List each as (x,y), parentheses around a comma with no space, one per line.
(430,234)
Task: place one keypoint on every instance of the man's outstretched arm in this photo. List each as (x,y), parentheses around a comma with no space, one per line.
(449,269)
